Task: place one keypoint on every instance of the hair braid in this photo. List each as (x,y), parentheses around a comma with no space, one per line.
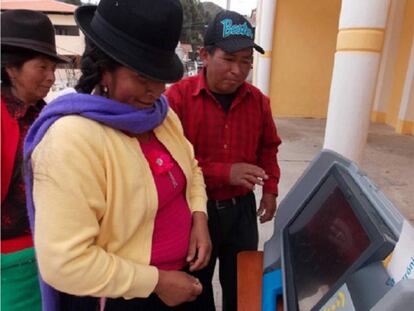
(93,64)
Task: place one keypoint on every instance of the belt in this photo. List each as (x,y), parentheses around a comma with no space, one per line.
(221,204)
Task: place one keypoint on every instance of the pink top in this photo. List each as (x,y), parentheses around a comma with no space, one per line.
(172,227)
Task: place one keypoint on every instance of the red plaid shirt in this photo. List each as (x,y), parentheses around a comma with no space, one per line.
(246,133)
(14,219)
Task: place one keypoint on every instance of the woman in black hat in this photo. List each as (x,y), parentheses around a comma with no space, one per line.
(28,62)
(118,202)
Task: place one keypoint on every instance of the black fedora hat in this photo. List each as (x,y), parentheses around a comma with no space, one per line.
(140,34)
(29,30)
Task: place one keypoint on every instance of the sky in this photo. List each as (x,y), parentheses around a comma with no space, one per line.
(244,7)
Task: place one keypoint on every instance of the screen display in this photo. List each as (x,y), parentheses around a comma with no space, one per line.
(324,240)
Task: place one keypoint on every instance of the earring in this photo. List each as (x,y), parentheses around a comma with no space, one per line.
(104,90)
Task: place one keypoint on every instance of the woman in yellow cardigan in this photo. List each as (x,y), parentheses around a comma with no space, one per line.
(115,196)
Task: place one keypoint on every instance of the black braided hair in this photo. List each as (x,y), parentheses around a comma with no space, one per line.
(94,63)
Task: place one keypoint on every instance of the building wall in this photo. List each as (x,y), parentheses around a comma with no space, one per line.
(68,45)
(62,19)
(305,35)
(304,43)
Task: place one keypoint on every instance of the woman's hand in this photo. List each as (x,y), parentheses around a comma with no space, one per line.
(176,287)
(199,250)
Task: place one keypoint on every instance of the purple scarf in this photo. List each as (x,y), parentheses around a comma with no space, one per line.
(109,112)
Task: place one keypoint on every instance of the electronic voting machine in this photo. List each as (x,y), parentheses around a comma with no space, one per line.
(331,234)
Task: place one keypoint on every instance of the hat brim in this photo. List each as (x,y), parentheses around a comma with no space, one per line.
(32,47)
(232,46)
(143,62)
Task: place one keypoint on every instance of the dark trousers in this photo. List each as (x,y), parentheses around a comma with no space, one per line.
(233,228)
(152,303)
(71,303)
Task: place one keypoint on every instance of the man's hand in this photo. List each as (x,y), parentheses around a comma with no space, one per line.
(199,250)
(247,175)
(267,207)
(176,287)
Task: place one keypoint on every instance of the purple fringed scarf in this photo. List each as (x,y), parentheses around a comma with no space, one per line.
(109,112)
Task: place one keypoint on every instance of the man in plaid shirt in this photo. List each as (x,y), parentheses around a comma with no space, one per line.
(230,124)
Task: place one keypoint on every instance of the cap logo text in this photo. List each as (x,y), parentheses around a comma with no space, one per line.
(240,29)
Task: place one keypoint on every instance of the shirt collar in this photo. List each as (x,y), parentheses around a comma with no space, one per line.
(17,108)
(201,83)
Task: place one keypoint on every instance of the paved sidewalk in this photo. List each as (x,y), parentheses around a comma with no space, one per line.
(388,161)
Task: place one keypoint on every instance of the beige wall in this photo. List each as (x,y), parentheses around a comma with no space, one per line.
(68,45)
(302,55)
(303,50)
(62,19)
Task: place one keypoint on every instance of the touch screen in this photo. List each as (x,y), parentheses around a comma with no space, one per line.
(325,239)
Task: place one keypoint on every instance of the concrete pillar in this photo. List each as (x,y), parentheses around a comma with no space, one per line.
(388,61)
(264,32)
(358,52)
(405,123)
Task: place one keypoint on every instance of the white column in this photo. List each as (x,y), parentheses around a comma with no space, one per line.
(407,100)
(359,46)
(264,37)
(388,60)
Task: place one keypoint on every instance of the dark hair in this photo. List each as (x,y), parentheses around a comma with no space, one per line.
(14,57)
(210,49)
(93,64)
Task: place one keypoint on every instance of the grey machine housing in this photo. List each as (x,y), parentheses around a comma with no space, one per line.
(369,286)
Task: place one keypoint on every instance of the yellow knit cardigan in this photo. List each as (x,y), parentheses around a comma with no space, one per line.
(96,201)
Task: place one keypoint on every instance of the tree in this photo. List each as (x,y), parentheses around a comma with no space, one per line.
(193,23)
(210,11)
